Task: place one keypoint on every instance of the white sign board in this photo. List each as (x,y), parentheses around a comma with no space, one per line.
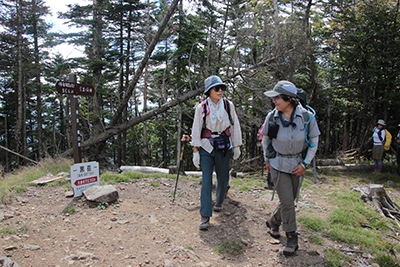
(83,176)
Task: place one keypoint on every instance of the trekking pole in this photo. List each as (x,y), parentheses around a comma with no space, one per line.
(315,170)
(179,170)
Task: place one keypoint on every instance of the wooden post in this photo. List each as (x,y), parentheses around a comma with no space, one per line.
(76,145)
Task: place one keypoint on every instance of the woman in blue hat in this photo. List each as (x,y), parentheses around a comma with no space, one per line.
(286,129)
(216,136)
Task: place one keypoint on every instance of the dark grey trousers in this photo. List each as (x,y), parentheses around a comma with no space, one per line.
(286,186)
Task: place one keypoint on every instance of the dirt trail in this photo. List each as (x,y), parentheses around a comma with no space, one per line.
(146,229)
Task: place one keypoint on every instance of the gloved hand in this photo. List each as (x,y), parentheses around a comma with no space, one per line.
(196,159)
(236,152)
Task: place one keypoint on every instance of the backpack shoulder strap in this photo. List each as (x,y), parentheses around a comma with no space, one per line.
(306,117)
(272,116)
(380,134)
(228,109)
(204,103)
(306,120)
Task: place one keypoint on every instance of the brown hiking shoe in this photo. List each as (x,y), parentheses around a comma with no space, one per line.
(274,228)
(291,244)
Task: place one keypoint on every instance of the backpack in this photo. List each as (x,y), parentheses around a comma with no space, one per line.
(388,140)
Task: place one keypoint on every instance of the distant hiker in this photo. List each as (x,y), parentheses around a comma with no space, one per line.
(288,133)
(216,136)
(397,145)
(379,136)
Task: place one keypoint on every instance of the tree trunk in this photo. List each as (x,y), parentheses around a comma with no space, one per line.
(38,84)
(328,127)
(20,118)
(97,55)
(130,123)
(377,197)
(146,77)
(121,82)
(143,63)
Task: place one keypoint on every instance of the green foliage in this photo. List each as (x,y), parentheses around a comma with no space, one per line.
(313,223)
(316,239)
(19,230)
(112,178)
(18,180)
(245,188)
(19,189)
(154,183)
(247,183)
(385,260)
(335,258)
(102,205)
(345,224)
(69,209)
(232,247)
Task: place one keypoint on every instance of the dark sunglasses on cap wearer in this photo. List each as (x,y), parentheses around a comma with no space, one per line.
(217,88)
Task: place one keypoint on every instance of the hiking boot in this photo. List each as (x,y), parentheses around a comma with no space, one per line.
(269,187)
(218,207)
(227,189)
(204,223)
(291,244)
(274,228)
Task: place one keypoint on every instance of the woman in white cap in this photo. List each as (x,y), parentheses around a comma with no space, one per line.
(216,136)
(379,137)
(287,131)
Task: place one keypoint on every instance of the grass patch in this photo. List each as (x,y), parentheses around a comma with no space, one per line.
(17,181)
(231,247)
(69,209)
(21,229)
(247,184)
(113,178)
(245,188)
(313,223)
(385,260)
(335,258)
(316,239)
(345,224)
(154,183)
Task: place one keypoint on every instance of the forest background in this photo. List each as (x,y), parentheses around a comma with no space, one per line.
(148,61)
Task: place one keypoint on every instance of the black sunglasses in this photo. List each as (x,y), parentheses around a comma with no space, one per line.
(217,88)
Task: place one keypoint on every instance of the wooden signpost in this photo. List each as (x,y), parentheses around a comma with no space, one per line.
(72,88)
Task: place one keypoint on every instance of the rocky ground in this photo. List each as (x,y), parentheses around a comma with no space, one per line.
(146,229)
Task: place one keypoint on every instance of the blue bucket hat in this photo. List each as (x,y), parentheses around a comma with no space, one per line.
(212,81)
(283,88)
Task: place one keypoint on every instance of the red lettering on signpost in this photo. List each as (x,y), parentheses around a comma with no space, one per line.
(86,181)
